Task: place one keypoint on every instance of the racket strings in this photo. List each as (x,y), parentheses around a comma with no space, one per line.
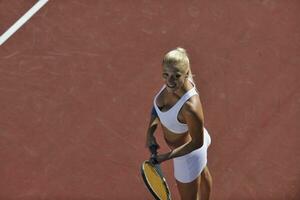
(156,182)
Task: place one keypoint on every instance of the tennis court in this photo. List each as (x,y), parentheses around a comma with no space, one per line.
(77,82)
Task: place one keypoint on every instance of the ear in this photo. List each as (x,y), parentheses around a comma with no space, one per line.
(187,74)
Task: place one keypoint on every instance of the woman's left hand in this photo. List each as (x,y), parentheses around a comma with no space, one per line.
(162,157)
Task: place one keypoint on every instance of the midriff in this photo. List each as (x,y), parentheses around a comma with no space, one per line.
(175,140)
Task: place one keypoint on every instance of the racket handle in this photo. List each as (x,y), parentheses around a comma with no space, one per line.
(153,160)
(153,149)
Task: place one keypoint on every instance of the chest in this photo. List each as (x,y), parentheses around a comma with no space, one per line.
(165,103)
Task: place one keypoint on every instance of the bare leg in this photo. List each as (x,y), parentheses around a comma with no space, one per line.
(189,191)
(206,184)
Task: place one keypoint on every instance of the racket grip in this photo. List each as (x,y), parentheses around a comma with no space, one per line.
(153,160)
(153,149)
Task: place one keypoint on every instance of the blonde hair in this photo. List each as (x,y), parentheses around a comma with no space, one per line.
(178,57)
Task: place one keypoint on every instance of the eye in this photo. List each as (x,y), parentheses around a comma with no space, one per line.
(165,75)
(178,76)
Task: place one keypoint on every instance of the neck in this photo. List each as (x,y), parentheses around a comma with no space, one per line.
(187,85)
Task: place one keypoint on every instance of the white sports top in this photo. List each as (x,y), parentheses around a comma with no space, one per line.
(169,118)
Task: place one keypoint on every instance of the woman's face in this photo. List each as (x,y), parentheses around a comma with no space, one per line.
(174,77)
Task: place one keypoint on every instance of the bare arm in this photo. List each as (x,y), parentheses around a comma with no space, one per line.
(150,139)
(193,115)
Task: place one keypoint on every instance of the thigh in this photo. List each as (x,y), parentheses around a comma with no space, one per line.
(189,191)
(206,184)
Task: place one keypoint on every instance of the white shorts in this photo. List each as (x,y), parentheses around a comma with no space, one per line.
(188,167)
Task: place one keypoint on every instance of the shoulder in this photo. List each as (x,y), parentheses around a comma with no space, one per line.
(192,107)
(160,98)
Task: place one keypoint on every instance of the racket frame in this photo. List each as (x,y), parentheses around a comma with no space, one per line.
(157,169)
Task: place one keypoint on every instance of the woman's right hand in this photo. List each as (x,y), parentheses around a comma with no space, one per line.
(153,146)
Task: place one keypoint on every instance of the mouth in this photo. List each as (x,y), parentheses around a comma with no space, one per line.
(171,86)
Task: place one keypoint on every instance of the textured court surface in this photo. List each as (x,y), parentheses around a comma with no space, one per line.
(77,83)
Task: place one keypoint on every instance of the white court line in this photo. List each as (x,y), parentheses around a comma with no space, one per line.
(22,20)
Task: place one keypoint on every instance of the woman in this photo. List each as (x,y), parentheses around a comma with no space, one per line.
(178,109)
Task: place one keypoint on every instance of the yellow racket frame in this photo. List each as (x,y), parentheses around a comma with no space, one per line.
(155,181)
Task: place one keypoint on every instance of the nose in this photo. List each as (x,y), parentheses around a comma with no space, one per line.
(171,78)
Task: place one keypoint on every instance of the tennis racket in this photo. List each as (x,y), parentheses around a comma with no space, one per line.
(153,177)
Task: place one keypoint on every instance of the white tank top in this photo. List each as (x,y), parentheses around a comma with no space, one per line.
(169,118)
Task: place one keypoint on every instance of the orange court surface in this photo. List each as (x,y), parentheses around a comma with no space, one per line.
(77,82)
